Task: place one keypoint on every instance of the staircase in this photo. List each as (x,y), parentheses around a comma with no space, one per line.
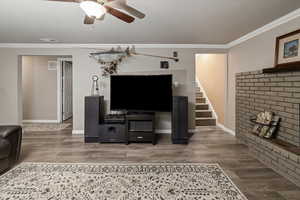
(204,116)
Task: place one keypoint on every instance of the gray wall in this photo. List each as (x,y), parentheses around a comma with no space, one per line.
(83,69)
(39,88)
(254,54)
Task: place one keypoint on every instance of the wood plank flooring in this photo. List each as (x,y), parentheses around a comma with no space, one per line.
(212,145)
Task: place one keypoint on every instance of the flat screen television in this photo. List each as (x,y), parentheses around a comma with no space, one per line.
(146,93)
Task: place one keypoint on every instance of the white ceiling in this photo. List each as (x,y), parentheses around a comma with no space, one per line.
(167,21)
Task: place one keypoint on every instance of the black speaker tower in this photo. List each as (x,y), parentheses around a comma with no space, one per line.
(180,120)
(94,116)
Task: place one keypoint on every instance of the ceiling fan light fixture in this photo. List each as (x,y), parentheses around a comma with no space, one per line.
(93,9)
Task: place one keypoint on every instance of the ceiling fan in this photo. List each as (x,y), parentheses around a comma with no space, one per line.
(96,9)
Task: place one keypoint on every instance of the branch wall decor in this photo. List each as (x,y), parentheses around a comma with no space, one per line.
(111,59)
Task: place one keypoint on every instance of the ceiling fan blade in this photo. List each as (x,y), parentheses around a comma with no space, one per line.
(119,14)
(133,11)
(89,20)
(122,4)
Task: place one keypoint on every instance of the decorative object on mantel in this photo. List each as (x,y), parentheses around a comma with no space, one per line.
(112,58)
(287,53)
(266,124)
(95,86)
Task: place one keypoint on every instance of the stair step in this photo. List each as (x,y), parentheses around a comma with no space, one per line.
(200,100)
(202,106)
(203,113)
(205,122)
(199,94)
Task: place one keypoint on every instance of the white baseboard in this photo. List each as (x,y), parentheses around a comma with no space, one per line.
(160,131)
(163,131)
(231,132)
(9,124)
(41,121)
(192,130)
(77,132)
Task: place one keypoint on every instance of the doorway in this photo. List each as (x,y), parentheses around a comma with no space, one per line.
(66,89)
(47,93)
(211,78)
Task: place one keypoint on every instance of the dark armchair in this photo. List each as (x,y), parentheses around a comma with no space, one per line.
(10,146)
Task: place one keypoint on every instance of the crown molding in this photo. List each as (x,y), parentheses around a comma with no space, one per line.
(286,18)
(97,46)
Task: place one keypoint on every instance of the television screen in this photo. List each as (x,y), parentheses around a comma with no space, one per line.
(141,93)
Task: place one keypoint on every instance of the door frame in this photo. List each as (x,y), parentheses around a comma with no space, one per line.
(59,87)
(225,88)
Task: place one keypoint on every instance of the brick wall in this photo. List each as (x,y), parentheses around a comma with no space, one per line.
(283,162)
(280,93)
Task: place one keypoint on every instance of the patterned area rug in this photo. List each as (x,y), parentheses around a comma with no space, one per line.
(153,181)
(28,127)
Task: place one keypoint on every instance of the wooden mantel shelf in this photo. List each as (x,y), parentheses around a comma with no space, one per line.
(290,68)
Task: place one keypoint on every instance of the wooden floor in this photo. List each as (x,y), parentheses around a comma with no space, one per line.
(213,145)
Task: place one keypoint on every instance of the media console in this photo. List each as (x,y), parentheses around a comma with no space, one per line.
(141,127)
(131,127)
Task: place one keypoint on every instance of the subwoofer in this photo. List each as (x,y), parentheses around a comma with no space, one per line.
(180,120)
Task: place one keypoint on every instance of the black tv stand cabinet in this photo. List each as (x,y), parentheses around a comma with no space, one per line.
(136,127)
(141,127)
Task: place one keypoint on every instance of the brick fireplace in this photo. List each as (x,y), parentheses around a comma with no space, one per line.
(280,93)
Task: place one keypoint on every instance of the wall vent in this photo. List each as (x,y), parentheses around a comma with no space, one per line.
(52,65)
